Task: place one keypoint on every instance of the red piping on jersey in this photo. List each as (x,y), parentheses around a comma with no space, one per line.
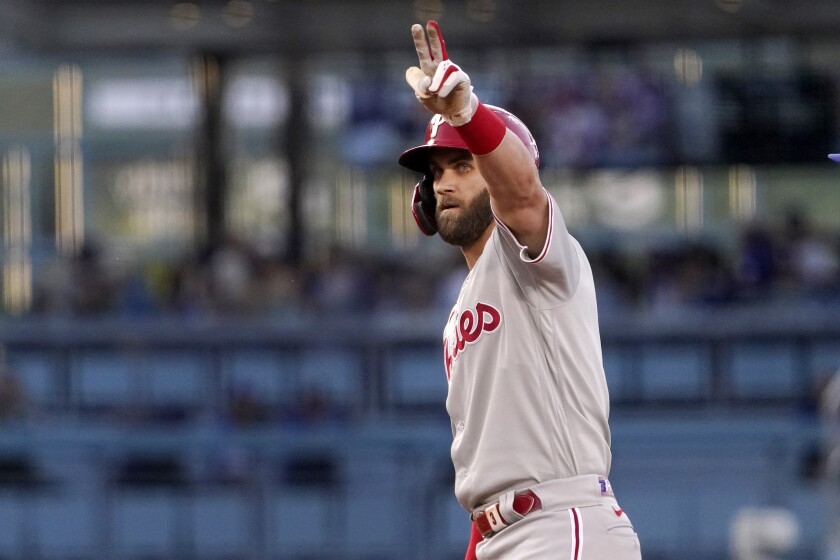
(548,236)
(575,533)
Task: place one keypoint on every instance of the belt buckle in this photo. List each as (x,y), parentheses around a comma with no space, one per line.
(489,521)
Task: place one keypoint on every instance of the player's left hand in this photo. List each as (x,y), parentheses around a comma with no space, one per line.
(439,84)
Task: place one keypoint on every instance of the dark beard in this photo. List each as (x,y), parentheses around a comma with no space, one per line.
(465,229)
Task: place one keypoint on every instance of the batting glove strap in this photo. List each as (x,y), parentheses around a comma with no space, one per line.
(483,131)
(465,114)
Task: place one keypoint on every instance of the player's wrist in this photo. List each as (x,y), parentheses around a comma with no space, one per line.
(465,114)
(483,131)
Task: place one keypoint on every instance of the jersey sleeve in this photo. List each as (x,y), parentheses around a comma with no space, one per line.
(550,278)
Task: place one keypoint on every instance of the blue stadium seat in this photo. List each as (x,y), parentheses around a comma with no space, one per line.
(105,381)
(337,372)
(307,503)
(417,377)
(764,370)
(38,373)
(676,371)
(223,525)
(268,374)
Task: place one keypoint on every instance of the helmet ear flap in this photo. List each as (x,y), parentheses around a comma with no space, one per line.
(423,206)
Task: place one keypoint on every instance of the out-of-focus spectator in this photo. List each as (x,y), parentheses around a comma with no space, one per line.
(83,285)
(231,464)
(162,281)
(829,452)
(93,285)
(276,286)
(584,119)
(14,404)
(314,406)
(340,282)
(192,293)
(771,262)
(662,289)
(691,275)
(577,130)
(832,546)
(636,111)
(763,534)
(618,288)
(53,289)
(829,413)
(246,408)
(451,279)
(230,273)
(412,286)
(705,277)
(812,266)
(756,266)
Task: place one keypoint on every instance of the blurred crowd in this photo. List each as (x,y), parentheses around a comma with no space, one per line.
(602,118)
(615,115)
(791,261)
(621,116)
(235,279)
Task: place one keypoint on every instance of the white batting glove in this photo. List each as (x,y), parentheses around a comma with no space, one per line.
(439,84)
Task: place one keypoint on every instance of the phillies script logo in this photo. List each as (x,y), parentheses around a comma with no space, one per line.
(466,328)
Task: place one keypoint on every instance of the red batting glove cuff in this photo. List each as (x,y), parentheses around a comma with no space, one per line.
(484,132)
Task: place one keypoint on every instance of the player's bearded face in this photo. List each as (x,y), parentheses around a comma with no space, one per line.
(464,226)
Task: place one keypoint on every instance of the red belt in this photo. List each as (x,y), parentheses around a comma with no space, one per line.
(489,521)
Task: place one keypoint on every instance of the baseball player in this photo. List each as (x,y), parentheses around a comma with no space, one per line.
(527,394)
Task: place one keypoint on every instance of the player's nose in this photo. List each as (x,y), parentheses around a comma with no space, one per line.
(445,183)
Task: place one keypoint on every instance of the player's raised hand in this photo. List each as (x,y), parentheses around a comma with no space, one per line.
(439,84)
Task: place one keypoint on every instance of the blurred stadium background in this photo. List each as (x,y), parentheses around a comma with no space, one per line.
(220,327)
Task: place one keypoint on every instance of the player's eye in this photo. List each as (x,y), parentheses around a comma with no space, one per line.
(463,167)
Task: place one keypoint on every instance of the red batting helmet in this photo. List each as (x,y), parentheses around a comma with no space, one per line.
(440,134)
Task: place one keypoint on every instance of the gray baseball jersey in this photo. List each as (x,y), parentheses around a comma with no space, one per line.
(527,393)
